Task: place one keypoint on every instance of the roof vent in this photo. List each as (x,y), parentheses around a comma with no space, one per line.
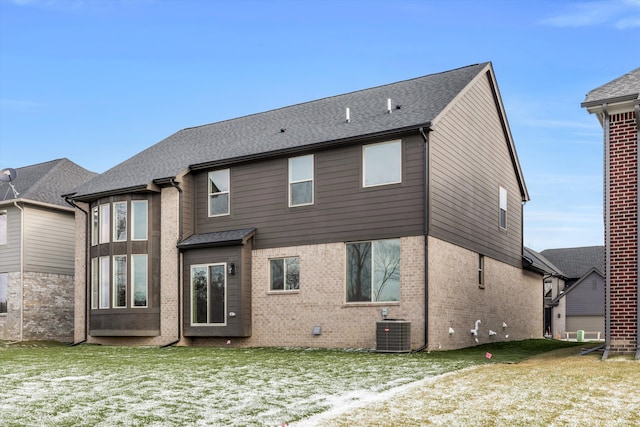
(283,130)
(389,105)
(348,115)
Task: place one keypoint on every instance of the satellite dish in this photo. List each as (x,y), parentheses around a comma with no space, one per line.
(8,175)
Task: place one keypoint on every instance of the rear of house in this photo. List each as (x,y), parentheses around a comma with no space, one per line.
(320,224)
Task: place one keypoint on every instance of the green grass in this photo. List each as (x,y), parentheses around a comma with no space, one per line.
(54,385)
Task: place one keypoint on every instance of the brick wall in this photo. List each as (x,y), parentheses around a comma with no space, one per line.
(624,231)
(511,297)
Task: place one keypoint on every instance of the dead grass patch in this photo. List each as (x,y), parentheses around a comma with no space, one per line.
(558,388)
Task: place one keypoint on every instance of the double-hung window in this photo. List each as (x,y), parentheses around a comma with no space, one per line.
(373,271)
(3,227)
(382,163)
(301,180)
(219,192)
(481,271)
(285,274)
(503,208)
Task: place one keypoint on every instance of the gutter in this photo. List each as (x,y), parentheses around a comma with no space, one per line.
(15,203)
(174,184)
(425,136)
(86,270)
(607,233)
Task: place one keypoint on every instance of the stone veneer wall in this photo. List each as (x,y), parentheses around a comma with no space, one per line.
(10,321)
(511,296)
(623,195)
(48,307)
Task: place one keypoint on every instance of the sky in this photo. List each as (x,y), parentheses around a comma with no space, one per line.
(97,81)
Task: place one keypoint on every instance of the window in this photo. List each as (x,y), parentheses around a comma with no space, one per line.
(301,180)
(219,192)
(120,281)
(95,283)
(104,282)
(3,227)
(3,292)
(503,208)
(95,225)
(139,220)
(139,277)
(285,274)
(105,215)
(373,271)
(120,221)
(481,271)
(382,163)
(208,294)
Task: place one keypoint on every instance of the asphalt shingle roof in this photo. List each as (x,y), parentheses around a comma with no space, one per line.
(540,262)
(46,182)
(322,121)
(576,262)
(626,85)
(218,238)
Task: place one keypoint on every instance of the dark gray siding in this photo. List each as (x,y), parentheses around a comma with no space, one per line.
(469,162)
(343,210)
(132,321)
(587,297)
(238,291)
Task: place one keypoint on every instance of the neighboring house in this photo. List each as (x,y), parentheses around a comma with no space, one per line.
(308,225)
(574,292)
(37,242)
(617,106)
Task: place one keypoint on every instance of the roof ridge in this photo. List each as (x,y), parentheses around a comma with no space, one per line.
(334,96)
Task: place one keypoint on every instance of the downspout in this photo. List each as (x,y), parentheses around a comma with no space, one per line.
(15,203)
(175,185)
(425,137)
(86,270)
(636,107)
(607,233)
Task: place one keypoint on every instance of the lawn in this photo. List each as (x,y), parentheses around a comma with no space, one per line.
(98,385)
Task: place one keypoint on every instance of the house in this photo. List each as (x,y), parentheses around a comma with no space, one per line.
(574,297)
(315,225)
(617,106)
(37,241)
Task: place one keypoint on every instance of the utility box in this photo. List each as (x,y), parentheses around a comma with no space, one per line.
(393,336)
(580,335)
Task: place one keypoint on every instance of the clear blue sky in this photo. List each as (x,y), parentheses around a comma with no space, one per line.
(97,81)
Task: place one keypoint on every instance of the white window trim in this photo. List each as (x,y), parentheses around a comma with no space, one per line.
(226,293)
(95,227)
(291,181)
(133,221)
(114,296)
(364,165)
(227,192)
(284,259)
(5,227)
(132,281)
(101,304)
(503,207)
(115,220)
(102,232)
